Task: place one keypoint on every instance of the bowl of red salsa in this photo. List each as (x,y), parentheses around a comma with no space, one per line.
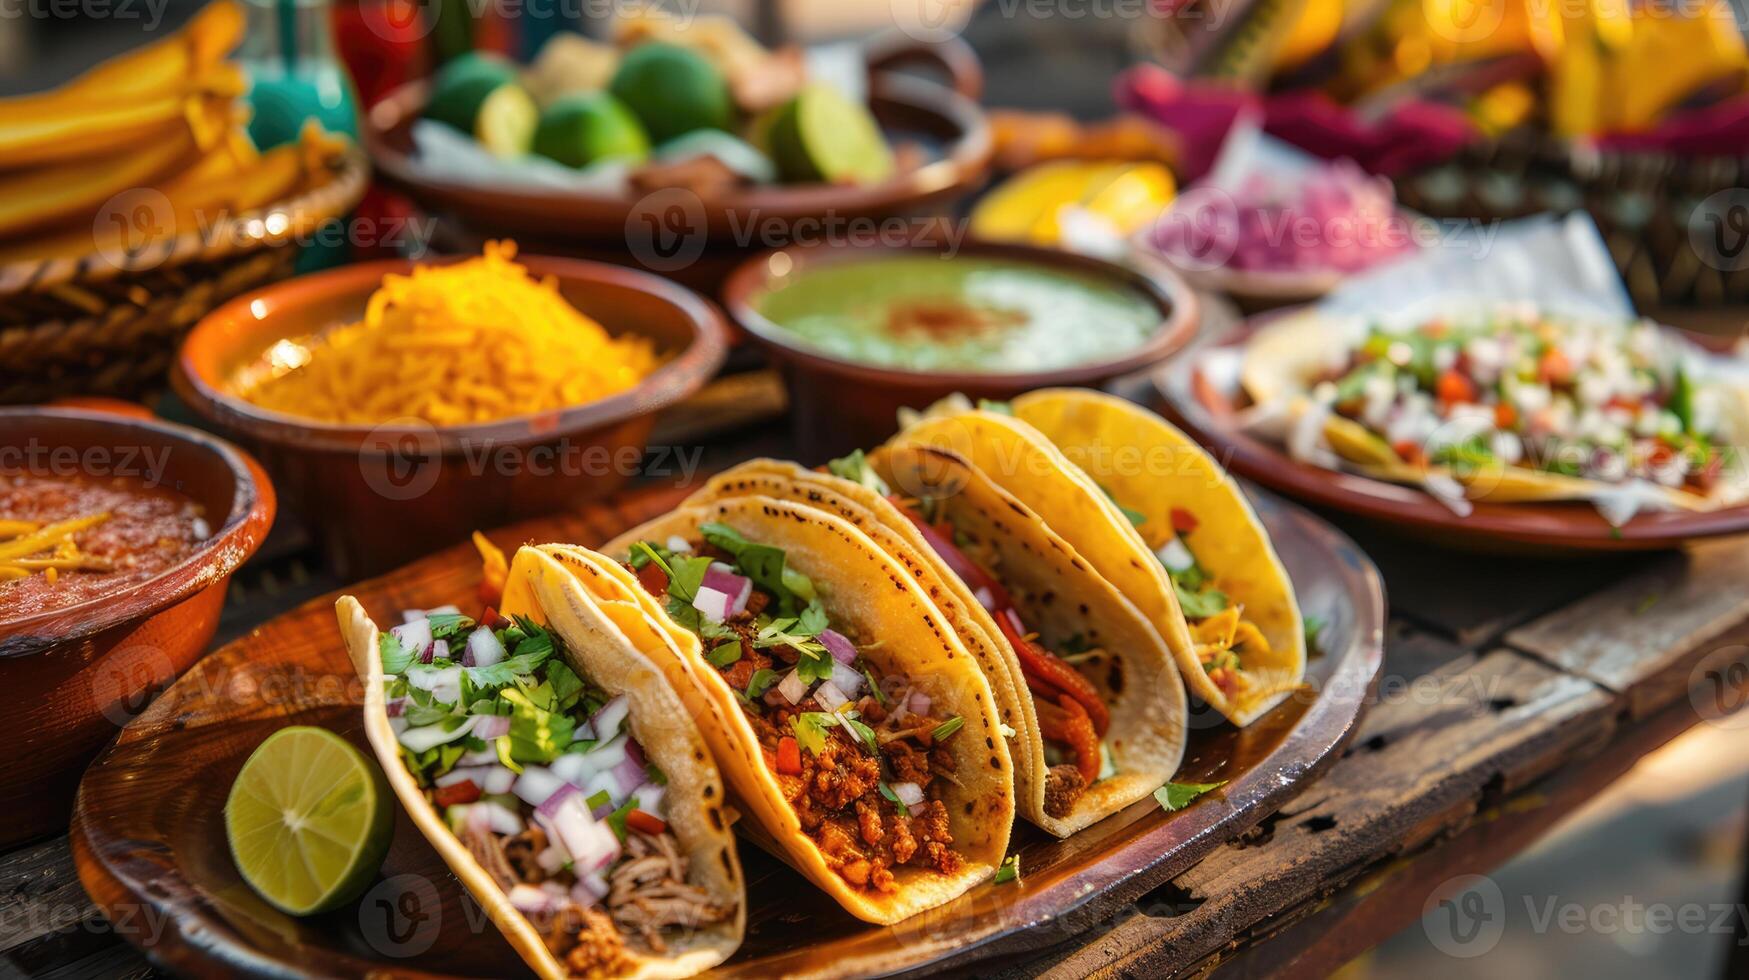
(118,537)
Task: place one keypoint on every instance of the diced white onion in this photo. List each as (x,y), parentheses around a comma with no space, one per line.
(498,780)
(677,543)
(415,636)
(491,726)
(909,794)
(430,736)
(501,819)
(1175,556)
(607,721)
(551,860)
(848,680)
(473,774)
(536,784)
(793,687)
(485,647)
(572,767)
(830,697)
(530,899)
(711,604)
(739,588)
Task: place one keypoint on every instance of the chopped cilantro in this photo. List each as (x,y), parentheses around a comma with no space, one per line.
(1177,796)
(1009,871)
(760,682)
(536,734)
(567,688)
(991,405)
(447,625)
(654,774)
(617,819)
(600,799)
(855,468)
(1314,627)
(862,732)
(887,791)
(874,688)
(724,653)
(395,655)
(1200,603)
(947,728)
(810,728)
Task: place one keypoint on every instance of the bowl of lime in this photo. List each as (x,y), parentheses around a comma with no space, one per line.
(683,146)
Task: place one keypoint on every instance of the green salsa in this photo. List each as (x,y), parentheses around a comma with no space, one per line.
(961,314)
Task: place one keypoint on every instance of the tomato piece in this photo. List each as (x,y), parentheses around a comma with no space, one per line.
(1505,416)
(1410,451)
(653,579)
(1183,521)
(789,756)
(1454,388)
(1079,735)
(645,823)
(492,620)
(1554,368)
(1039,664)
(456,794)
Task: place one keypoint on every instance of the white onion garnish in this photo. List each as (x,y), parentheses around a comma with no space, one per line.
(530,899)
(840,647)
(607,720)
(830,697)
(739,588)
(848,679)
(711,604)
(676,543)
(793,687)
(485,647)
(498,780)
(1175,556)
(491,726)
(416,637)
(536,784)
(549,807)
(909,794)
(440,650)
(430,736)
(464,774)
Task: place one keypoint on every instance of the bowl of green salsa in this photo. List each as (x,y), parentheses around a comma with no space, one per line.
(860,331)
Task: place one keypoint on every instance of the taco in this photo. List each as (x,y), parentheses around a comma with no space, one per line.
(558,775)
(1067,774)
(1508,405)
(855,729)
(1213,558)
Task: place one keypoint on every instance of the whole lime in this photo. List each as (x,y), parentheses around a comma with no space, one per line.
(462,84)
(584,128)
(673,90)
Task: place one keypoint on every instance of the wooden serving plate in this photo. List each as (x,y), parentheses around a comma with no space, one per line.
(1541,529)
(148,831)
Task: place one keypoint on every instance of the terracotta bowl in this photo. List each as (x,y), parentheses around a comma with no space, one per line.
(676,232)
(378,496)
(837,405)
(75,676)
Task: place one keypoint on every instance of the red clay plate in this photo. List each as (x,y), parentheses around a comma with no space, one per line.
(1520,528)
(148,833)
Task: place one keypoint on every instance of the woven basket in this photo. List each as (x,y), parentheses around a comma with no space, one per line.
(110,325)
(1643,203)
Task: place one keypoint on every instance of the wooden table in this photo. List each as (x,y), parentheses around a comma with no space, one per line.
(1513,690)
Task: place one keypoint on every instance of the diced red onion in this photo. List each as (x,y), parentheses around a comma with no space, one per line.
(909,794)
(536,784)
(841,649)
(606,722)
(984,598)
(558,891)
(1175,556)
(830,697)
(551,860)
(650,798)
(484,647)
(917,809)
(634,751)
(499,819)
(629,775)
(591,843)
(919,703)
(415,636)
(480,758)
(711,603)
(583,732)
(491,726)
(738,588)
(572,767)
(793,687)
(530,900)
(440,651)
(411,616)
(596,884)
(582,896)
(398,725)
(395,707)
(550,806)
(848,680)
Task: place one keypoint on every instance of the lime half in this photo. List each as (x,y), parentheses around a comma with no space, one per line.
(506,121)
(309,820)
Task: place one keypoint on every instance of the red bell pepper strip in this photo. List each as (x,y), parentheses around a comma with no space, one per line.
(1037,662)
(969,572)
(645,823)
(456,794)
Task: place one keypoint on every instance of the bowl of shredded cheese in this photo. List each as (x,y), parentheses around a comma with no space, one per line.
(399,405)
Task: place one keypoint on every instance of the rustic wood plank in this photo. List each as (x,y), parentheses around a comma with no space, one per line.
(1644,636)
(40,894)
(1422,766)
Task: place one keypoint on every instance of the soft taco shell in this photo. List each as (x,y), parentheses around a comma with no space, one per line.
(596,649)
(876,517)
(867,593)
(1152,467)
(1138,682)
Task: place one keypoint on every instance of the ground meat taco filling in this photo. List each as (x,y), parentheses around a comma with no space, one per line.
(536,771)
(857,752)
(1072,717)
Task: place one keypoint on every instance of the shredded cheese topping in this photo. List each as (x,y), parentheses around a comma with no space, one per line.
(27,548)
(476,341)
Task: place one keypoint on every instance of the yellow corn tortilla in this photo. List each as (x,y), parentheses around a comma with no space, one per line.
(696,809)
(868,595)
(1150,467)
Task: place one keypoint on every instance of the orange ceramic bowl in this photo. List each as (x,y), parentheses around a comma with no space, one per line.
(75,675)
(379,496)
(838,405)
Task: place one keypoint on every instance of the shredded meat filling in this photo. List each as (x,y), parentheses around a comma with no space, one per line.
(1063,787)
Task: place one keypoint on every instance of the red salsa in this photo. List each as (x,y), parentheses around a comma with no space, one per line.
(66,540)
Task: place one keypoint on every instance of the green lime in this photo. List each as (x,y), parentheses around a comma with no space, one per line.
(822,136)
(673,90)
(309,820)
(506,121)
(581,129)
(463,84)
